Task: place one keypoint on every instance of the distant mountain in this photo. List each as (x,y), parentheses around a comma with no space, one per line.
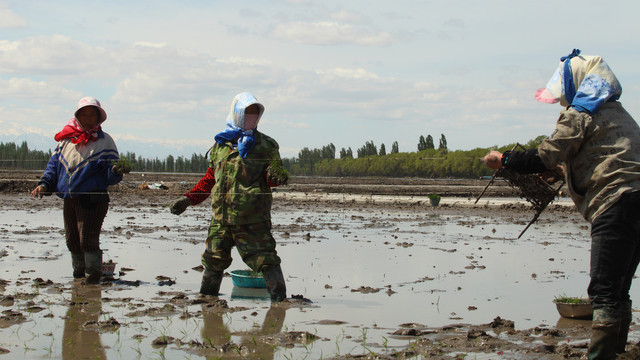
(146,150)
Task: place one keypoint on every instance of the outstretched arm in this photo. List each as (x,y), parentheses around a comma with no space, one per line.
(523,162)
(199,193)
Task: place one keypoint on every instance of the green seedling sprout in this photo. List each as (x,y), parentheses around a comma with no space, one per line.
(253,274)
(125,165)
(564,299)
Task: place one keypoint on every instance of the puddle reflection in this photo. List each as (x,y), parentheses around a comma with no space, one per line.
(216,335)
(79,339)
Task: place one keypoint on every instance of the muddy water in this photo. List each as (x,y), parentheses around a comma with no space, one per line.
(367,271)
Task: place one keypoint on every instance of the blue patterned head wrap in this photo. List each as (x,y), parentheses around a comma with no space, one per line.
(583,82)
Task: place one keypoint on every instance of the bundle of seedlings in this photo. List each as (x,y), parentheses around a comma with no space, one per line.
(123,165)
(277,174)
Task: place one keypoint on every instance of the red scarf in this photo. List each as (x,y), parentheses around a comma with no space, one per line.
(77,134)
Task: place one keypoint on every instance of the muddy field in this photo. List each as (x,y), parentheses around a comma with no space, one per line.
(373,270)
(20,181)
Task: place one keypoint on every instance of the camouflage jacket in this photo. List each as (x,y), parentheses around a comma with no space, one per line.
(600,154)
(241,194)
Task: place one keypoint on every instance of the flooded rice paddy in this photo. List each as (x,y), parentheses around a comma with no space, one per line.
(359,275)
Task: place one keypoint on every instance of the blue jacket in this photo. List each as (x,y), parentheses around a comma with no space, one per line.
(76,169)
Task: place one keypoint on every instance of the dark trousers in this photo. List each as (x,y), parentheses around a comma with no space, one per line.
(83,218)
(615,253)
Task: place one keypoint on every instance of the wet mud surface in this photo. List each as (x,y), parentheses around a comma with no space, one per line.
(373,271)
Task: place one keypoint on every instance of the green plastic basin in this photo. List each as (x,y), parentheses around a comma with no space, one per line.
(246,279)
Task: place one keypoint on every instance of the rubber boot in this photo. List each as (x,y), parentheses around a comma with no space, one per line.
(604,335)
(274,281)
(93,262)
(211,282)
(77,261)
(625,323)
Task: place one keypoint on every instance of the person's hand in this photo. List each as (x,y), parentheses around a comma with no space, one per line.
(493,159)
(180,205)
(39,191)
(119,170)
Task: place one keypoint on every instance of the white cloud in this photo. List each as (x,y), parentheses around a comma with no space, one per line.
(357,74)
(244,61)
(56,54)
(172,92)
(346,16)
(29,90)
(330,33)
(379,68)
(9,19)
(15,129)
(34,117)
(149,44)
(288,124)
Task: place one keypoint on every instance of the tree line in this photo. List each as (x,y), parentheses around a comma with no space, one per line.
(371,160)
(426,162)
(13,156)
(195,164)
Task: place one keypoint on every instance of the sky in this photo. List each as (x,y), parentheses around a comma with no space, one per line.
(340,72)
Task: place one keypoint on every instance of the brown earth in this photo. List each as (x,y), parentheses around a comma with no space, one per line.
(26,180)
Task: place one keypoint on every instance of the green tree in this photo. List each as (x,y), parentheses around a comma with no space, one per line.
(169,164)
(443,143)
(328,152)
(179,164)
(394,148)
(346,153)
(422,143)
(368,149)
(429,142)
(534,143)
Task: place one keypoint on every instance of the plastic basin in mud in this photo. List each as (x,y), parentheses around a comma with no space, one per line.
(582,310)
(108,268)
(247,279)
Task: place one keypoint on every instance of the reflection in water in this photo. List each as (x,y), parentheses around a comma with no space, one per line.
(249,293)
(565,323)
(79,342)
(215,333)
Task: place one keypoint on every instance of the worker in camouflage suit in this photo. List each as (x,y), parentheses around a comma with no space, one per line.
(243,166)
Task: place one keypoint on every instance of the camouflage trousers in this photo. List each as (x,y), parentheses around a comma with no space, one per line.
(254,243)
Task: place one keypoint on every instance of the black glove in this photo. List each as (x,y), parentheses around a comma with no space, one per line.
(180,205)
